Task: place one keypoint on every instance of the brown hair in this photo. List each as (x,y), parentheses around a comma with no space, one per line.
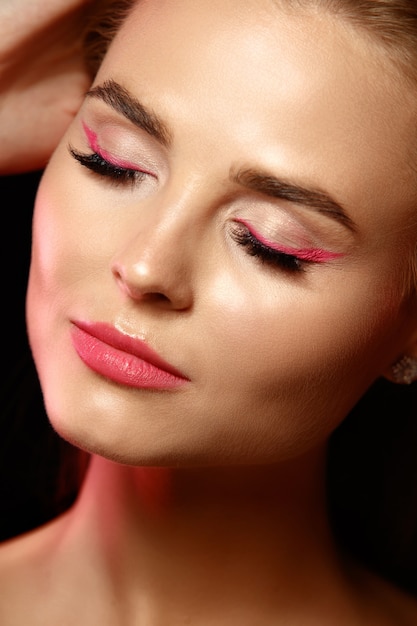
(390,23)
(103,21)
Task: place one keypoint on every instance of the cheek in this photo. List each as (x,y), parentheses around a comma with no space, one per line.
(276,330)
(65,252)
(57,260)
(70,238)
(288,366)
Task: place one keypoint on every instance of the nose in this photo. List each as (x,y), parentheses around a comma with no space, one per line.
(155,265)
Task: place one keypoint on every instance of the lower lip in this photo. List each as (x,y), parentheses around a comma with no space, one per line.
(120,367)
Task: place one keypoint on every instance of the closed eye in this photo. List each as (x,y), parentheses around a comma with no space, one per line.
(95,162)
(289,262)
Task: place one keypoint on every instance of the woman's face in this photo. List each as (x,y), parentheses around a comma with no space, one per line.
(236,193)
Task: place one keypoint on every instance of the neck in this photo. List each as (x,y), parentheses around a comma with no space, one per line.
(205,531)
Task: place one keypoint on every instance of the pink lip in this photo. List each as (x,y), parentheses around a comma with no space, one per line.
(122,359)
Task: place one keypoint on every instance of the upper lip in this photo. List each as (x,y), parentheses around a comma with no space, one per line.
(131,345)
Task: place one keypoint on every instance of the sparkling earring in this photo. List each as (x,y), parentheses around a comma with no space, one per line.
(404,371)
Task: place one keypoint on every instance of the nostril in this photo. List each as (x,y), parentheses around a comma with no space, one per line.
(143,289)
(159,296)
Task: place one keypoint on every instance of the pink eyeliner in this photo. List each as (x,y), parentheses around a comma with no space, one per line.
(95,147)
(313,255)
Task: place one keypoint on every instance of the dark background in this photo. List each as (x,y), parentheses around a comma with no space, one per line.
(36,479)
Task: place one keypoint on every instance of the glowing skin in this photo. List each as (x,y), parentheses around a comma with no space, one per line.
(276,350)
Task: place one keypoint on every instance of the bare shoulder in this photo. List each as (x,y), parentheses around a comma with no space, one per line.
(22,549)
(23,571)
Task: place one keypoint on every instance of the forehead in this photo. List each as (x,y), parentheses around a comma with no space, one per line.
(310,89)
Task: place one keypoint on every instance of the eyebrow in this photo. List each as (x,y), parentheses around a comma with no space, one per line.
(119,98)
(284,190)
(123,102)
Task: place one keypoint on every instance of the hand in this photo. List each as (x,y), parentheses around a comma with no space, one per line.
(42,78)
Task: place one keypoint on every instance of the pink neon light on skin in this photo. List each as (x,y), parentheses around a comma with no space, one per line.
(121,358)
(313,255)
(95,147)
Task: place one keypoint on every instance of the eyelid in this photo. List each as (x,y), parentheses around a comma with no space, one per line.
(310,255)
(265,254)
(94,145)
(102,168)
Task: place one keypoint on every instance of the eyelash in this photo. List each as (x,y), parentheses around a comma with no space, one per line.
(97,164)
(265,254)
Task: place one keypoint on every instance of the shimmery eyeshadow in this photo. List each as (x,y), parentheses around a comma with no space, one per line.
(94,145)
(314,255)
